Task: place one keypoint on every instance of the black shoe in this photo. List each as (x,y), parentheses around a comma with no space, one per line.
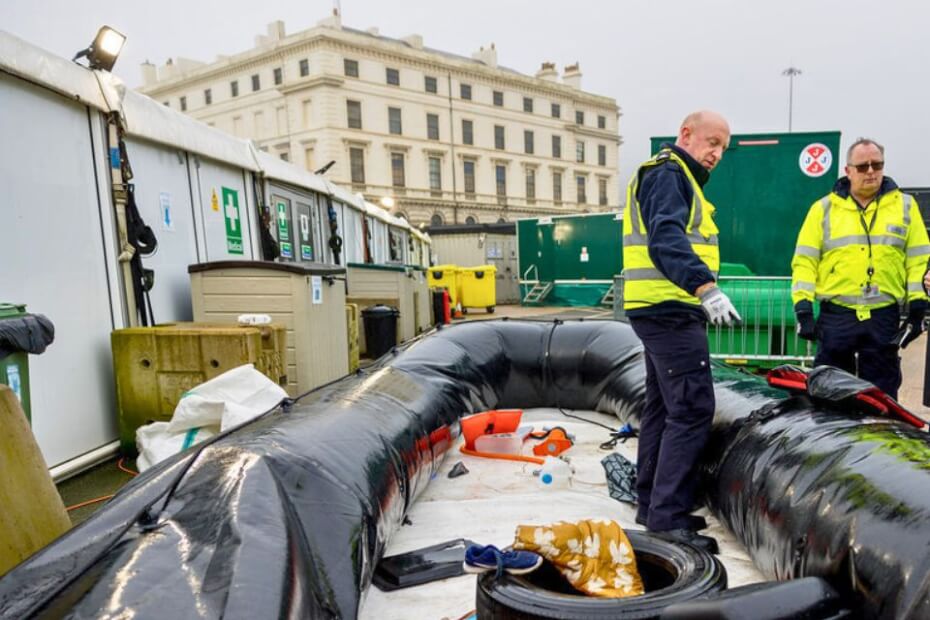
(690,537)
(695,522)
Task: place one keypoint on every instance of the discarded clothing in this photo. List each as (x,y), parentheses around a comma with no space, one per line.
(30,333)
(621,477)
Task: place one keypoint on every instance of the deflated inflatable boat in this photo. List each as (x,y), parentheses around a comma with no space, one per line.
(288,515)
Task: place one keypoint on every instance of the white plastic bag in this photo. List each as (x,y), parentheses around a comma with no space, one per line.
(156,443)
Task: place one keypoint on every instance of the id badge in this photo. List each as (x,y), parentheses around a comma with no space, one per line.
(870,291)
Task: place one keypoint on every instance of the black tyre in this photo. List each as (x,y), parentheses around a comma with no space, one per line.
(490,309)
(671,572)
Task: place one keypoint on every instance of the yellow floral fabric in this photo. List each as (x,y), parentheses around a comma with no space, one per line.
(595,555)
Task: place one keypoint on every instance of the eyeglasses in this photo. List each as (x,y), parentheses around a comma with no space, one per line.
(877,166)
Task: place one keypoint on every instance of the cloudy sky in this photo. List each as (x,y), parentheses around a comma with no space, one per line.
(864,63)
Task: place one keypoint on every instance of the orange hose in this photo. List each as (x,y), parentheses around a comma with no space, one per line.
(88,503)
(119,464)
(503,457)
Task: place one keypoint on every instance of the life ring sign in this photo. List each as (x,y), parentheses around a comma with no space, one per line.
(815,160)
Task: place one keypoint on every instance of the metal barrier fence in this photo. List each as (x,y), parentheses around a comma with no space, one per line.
(767,336)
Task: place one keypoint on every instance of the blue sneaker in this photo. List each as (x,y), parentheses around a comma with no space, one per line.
(479,559)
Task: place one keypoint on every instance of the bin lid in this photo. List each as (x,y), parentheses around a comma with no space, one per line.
(376,267)
(9,311)
(380,310)
(302,269)
(479,268)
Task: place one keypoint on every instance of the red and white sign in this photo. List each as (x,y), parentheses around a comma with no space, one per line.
(815,160)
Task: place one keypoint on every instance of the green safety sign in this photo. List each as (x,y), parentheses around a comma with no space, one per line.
(284,230)
(233,222)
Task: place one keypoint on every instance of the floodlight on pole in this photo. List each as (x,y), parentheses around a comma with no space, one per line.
(103,52)
(791,72)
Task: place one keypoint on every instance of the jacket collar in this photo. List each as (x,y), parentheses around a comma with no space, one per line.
(700,174)
(842,185)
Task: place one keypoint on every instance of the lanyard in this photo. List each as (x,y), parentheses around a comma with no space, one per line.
(868,237)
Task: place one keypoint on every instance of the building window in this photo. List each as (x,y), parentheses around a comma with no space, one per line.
(602,192)
(468,167)
(183,102)
(557,147)
(468,135)
(500,177)
(579,151)
(557,188)
(435,176)
(234,88)
(397,170)
(256,83)
(430,84)
(579,117)
(354,114)
(556,110)
(284,156)
(601,155)
(208,96)
(582,197)
(465,91)
(393,77)
(357,165)
(528,146)
(499,137)
(350,67)
(528,104)
(435,220)
(601,122)
(304,68)
(278,77)
(530,185)
(499,98)
(432,126)
(394,125)
(471,220)
(167,104)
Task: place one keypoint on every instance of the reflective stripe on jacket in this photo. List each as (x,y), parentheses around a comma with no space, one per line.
(831,260)
(644,285)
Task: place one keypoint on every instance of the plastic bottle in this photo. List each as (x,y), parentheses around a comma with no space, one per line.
(555,473)
(254,319)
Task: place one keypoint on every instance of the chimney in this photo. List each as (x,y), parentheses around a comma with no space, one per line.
(547,72)
(149,74)
(414,40)
(168,70)
(276,30)
(487,56)
(572,76)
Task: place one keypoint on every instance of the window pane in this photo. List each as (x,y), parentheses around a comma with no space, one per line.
(394,125)
(557,187)
(234,88)
(528,146)
(499,137)
(501,180)
(256,83)
(579,117)
(357,165)
(432,126)
(498,98)
(601,122)
(579,152)
(527,104)
(582,198)
(602,192)
(557,146)
(435,220)
(530,184)
(468,136)
(470,220)
(393,76)
(350,67)
(435,174)
(304,68)
(397,169)
(208,96)
(556,110)
(431,84)
(354,114)
(183,102)
(469,168)
(465,90)
(601,155)
(278,76)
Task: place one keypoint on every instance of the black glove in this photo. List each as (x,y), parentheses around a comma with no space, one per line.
(913,326)
(804,313)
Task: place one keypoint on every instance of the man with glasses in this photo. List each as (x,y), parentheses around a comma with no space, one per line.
(862,252)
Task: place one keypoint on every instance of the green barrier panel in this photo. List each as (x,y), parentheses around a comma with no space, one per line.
(14,369)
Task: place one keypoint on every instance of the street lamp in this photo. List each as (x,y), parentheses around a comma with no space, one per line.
(790,72)
(102,53)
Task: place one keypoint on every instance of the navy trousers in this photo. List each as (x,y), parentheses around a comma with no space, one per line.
(676,419)
(840,335)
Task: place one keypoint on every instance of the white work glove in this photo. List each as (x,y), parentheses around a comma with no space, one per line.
(718,307)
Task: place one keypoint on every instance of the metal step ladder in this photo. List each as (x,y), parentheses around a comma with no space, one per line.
(538,293)
(608,298)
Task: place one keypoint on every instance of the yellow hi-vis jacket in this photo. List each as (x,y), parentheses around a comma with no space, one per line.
(839,242)
(643,284)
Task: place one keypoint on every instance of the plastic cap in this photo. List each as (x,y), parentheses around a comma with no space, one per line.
(546,478)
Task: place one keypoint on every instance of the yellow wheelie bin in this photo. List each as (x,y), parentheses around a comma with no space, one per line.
(479,287)
(447,277)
